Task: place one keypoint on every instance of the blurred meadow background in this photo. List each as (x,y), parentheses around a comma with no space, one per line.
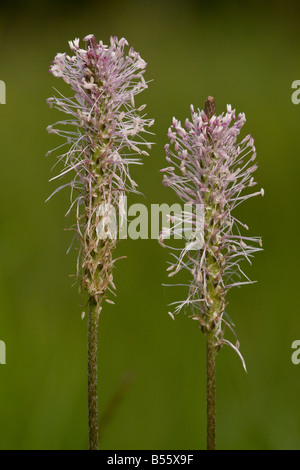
(246,55)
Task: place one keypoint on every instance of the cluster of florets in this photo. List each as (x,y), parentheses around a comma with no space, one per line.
(209,168)
(105,133)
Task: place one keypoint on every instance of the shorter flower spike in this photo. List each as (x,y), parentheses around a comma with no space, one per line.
(209,167)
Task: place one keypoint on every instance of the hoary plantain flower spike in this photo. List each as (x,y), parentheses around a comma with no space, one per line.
(211,169)
(105,132)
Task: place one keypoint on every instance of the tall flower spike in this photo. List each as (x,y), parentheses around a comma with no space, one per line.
(105,133)
(210,168)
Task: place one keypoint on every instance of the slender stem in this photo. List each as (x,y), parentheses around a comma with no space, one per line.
(93,375)
(211,390)
(214,293)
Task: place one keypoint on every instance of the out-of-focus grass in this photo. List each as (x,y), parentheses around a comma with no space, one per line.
(248,58)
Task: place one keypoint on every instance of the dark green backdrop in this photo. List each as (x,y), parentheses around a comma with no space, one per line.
(246,56)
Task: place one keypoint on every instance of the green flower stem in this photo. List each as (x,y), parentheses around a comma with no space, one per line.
(93,320)
(215,264)
(211,390)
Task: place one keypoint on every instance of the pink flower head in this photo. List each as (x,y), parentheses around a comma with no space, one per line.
(105,133)
(209,167)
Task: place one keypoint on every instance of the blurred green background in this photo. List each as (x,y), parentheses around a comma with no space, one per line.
(244,55)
